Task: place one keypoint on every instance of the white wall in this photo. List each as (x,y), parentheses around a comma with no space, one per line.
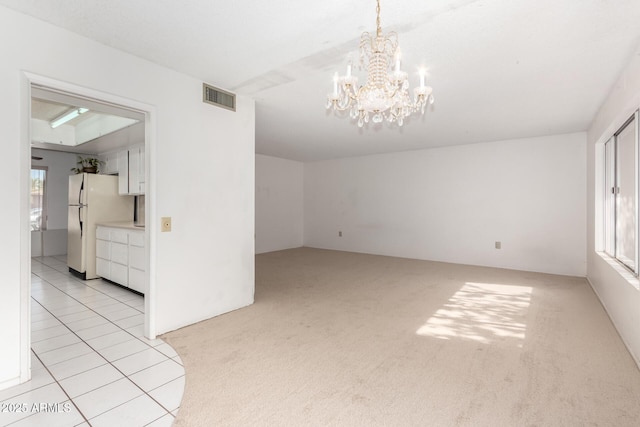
(452,204)
(53,241)
(59,166)
(279,204)
(201,174)
(620,298)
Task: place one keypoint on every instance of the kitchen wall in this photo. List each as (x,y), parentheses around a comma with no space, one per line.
(201,173)
(279,204)
(54,238)
(452,204)
(619,294)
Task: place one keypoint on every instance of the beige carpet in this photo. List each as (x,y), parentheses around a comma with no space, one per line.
(344,339)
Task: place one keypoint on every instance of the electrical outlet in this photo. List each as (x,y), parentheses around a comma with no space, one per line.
(165,223)
(498,245)
(339,233)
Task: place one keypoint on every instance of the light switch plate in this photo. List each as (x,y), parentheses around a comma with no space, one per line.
(165,223)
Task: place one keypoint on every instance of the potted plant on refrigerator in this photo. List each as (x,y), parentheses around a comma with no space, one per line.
(87,165)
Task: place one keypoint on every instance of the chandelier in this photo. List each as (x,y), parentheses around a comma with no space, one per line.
(386,94)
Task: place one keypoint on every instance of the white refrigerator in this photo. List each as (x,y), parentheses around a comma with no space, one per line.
(93,199)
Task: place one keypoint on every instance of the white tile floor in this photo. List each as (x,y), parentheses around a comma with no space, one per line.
(91,364)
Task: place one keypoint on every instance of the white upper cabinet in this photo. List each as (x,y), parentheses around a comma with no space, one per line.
(123,172)
(110,166)
(136,170)
(131,170)
(141,175)
(116,145)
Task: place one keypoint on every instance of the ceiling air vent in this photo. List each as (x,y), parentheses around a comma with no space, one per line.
(215,96)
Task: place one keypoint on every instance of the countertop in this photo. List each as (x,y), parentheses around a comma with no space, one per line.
(121,224)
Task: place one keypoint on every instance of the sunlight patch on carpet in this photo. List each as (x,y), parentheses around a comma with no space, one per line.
(482,312)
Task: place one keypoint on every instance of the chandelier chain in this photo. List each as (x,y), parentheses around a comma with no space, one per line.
(378,26)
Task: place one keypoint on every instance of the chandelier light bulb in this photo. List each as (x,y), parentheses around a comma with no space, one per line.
(385,96)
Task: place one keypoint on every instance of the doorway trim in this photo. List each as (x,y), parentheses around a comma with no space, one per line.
(149,111)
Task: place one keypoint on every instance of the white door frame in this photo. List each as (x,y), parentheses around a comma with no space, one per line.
(28,79)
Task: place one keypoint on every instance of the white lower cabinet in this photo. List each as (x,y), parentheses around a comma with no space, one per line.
(136,280)
(119,253)
(136,261)
(120,257)
(119,274)
(103,267)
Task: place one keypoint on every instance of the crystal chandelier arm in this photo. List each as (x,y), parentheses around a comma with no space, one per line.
(347,99)
(366,46)
(391,44)
(386,44)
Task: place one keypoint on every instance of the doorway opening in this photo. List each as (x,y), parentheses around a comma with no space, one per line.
(110,126)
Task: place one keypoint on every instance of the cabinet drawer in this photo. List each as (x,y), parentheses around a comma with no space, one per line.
(136,257)
(119,274)
(136,238)
(136,280)
(119,253)
(102,268)
(118,235)
(102,249)
(102,233)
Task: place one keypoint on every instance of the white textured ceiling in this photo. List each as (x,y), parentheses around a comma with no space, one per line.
(500,69)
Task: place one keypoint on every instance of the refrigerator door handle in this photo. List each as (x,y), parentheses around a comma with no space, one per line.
(80,192)
(80,219)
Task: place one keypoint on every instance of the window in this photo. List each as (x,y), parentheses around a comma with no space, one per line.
(38,217)
(621,194)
